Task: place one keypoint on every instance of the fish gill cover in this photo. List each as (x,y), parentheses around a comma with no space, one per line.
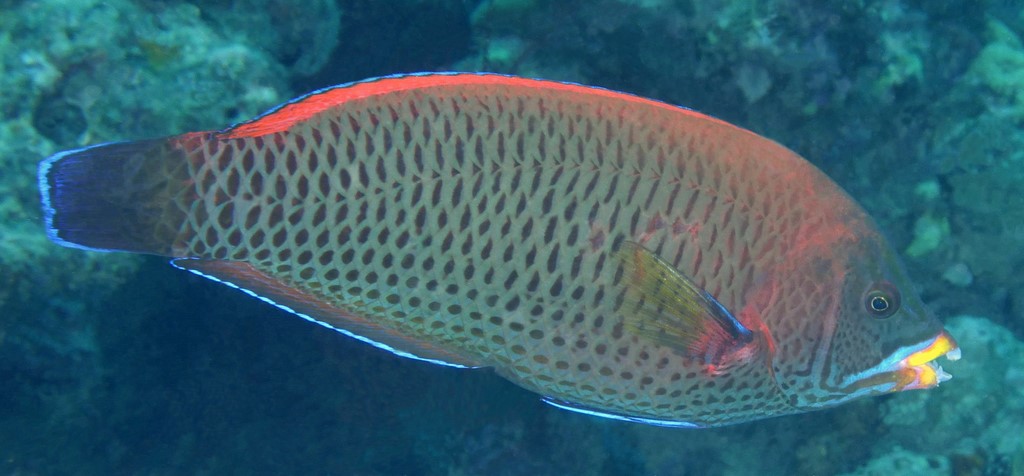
(913,107)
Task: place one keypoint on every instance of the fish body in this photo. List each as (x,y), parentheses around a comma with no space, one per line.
(620,256)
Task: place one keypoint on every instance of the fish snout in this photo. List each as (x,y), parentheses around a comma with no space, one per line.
(920,370)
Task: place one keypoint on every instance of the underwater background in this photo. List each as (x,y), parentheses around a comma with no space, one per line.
(119,364)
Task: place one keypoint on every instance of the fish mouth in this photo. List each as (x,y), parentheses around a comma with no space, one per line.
(913,368)
(920,370)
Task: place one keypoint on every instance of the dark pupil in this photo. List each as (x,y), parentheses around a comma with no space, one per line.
(879,304)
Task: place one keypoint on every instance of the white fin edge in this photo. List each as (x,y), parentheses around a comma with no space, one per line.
(372,342)
(42,178)
(614,416)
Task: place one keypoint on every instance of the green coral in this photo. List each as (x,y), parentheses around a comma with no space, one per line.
(1000,67)
(903,60)
(929,234)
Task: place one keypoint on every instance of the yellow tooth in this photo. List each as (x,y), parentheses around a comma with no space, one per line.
(942,344)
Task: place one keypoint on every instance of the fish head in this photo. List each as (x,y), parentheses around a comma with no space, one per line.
(884,339)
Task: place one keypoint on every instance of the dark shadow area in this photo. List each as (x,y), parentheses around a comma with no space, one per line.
(382,38)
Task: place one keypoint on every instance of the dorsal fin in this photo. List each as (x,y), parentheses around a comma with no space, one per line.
(310,306)
(304,107)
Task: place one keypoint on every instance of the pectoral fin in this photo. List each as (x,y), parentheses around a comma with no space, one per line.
(666,306)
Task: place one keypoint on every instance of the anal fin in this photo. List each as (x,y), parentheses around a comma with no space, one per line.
(310,306)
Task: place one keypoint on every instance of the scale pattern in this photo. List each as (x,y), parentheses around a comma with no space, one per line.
(534,227)
(484,220)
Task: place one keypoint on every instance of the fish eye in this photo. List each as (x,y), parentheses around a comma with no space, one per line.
(882,300)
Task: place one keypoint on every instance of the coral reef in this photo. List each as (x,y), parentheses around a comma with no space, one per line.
(302,37)
(900,461)
(75,73)
(1000,68)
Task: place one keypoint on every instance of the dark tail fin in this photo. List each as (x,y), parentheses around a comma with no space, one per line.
(124,196)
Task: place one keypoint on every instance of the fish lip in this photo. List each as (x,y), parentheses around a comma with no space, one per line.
(919,370)
(909,368)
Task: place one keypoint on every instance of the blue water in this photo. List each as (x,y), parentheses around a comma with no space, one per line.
(113,364)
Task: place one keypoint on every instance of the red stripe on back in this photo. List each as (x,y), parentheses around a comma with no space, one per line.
(305,107)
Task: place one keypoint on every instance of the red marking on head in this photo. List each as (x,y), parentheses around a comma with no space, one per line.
(751,319)
(752,316)
(832,234)
(303,108)
(722,353)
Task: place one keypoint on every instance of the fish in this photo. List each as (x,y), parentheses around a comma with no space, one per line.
(620,256)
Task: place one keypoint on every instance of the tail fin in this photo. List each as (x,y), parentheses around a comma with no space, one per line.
(123,196)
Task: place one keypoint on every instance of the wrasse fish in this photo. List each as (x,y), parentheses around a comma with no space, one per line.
(620,256)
